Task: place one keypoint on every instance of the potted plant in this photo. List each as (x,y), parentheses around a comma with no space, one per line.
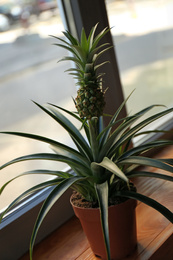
(103,162)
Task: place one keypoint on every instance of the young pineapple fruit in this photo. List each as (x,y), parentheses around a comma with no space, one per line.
(85,53)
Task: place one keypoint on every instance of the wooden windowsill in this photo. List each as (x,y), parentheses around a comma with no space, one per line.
(154,232)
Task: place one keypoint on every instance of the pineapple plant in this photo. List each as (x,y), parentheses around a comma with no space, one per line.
(86,52)
(103,161)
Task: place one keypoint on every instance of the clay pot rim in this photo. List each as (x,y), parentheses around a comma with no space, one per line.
(129,200)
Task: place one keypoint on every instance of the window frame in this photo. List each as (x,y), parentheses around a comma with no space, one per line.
(74,14)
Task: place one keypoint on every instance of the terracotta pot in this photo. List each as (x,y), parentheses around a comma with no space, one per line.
(122,229)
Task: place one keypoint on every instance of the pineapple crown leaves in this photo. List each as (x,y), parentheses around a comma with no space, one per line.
(85,55)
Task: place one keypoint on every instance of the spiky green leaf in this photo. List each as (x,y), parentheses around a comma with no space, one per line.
(84,41)
(57,192)
(148,201)
(129,134)
(102,195)
(28,192)
(139,160)
(83,122)
(112,167)
(46,172)
(75,164)
(70,128)
(133,174)
(145,147)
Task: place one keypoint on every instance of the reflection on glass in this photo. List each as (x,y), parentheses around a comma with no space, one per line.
(29,71)
(143,37)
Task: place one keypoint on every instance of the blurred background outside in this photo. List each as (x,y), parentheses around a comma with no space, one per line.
(143,39)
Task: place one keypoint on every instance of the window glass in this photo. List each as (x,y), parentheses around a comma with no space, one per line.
(29,71)
(143,37)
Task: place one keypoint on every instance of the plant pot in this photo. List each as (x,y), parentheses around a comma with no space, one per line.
(122,229)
